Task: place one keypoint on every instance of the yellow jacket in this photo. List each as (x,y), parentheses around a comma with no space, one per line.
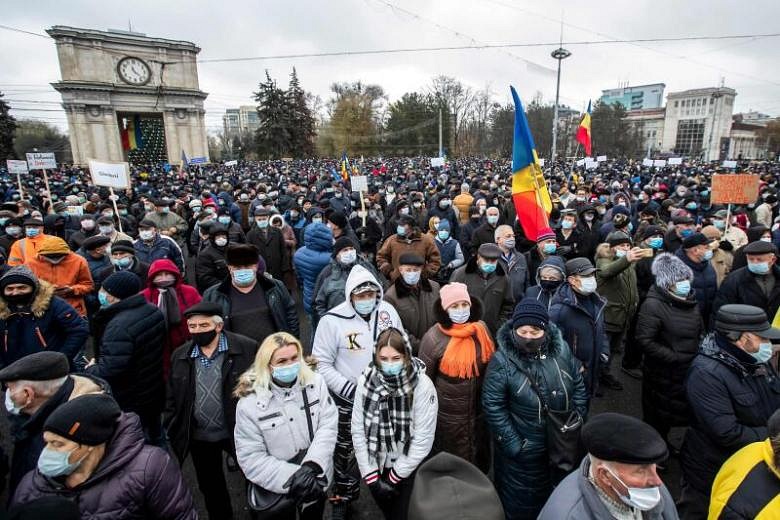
(747,486)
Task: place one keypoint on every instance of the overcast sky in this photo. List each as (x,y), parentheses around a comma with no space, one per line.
(237,28)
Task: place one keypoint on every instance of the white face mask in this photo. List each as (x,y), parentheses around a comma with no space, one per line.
(643,499)
(12,407)
(348,257)
(459,315)
(146,234)
(588,285)
(221,241)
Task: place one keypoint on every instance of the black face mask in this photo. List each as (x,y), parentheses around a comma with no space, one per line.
(19,299)
(550,285)
(529,346)
(204,338)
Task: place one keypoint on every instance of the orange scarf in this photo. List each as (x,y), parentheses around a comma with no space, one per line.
(460,356)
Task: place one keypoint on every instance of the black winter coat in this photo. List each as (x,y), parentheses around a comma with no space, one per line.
(130,354)
(484,234)
(140,269)
(210,267)
(740,286)
(180,397)
(495,292)
(731,397)
(668,333)
(272,248)
(705,283)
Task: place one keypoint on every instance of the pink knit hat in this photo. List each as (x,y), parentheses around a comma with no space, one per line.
(453,293)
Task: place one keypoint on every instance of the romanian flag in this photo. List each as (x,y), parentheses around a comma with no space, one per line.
(131,135)
(529,191)
(344,166)
(583,132)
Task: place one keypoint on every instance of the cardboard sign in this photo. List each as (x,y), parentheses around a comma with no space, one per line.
(16,166)
(112,175)
(437,162)
(601,158)
(729,164)
(674,160)
(40,161)
(199,160)
(591,165)
(231,163)
(580,162)
(359,183)
(734,188)
(647,162)
(659,163)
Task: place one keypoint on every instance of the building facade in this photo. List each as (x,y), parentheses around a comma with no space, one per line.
(240,121)
(650,125)
(697,123)
(641,97)
(126,94)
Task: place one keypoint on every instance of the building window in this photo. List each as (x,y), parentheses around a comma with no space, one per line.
(690,137)
(675,104)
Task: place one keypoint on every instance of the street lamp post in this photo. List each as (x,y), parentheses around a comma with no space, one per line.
(559,54)
(716,95)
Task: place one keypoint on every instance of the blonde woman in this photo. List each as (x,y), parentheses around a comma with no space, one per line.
(286,426)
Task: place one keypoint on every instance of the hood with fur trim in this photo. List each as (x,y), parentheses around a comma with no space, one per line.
(41,302)
(668,270)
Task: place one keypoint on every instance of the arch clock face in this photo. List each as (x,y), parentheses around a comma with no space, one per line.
(133,71)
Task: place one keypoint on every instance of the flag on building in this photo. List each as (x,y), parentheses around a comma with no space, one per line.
(344,166)
(132,138)
(184,162)
(583,132)
(529,191)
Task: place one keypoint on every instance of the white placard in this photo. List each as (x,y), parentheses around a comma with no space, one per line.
(231,163)
(659,163)
(729,164)
(580,162)
(39,161)
(16,166)
(674,160)
(113,175)
(541,162)
(359,183)
(601,158)
(647,162)
(591,165)
(437,161)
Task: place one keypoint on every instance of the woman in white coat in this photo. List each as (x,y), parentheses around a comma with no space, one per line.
(393,422)
(286,428)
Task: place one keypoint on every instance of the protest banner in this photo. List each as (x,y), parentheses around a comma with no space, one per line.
(437,162)
(16,167)
(734,188)
(231,163)
(659,163)
(729,164)
(601,158)
(674,160)
(111,175)
(41,161)
(647,162)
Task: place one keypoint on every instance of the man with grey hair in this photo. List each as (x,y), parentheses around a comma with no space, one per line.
(35,386)
(486,233)
(618,479)
(200,412)
(514,263)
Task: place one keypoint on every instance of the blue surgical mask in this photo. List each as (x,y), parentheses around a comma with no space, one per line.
(685,233)
(567,224)
(509,243)
(459,315)
(492,219)
(488,268)
(3,221)
(620,253)
(691,206)
(550,249)
(287,373)
(682,288)
(364,307)
(411,278)
(243,277)
(444,235)
(32,232)
(103,299)
(391,368)
(401,230)
(656,242)
(758,267)
(224,219)
(764,353)
(55,463)
(589,284)
(122,263)
(262,224)
(708,254)
(720,224)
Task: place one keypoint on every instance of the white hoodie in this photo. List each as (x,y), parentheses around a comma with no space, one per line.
(344,341)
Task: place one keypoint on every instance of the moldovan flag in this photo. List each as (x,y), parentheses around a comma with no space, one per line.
(529,191)
(583,132)
(344,166)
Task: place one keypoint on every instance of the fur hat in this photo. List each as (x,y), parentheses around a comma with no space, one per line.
(242,254)
(668,270)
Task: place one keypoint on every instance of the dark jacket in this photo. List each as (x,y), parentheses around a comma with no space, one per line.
(210,267)
(484,234)
(589,233)
(134,481)
(416,308)
(494,291)
(581,321)
(139,268)
(161,247)
(513,412)
(740,286)
(460,427)
(668,332)
(731,397)
(705,283)
(617,284)
(535,291)
(281,305)
(130,354)
(272,248)
(311,259)
(50,324)
(534,260)
(180,397)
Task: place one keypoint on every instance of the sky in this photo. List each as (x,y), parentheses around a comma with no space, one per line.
(244,28)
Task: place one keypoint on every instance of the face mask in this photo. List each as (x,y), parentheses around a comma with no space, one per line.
(620,253)
(766,239)
(444,235)
(122,263)
(487,268)
(567,224)
(588,285)
(317,220)
(262,224)
(55,463)
(685,233)
(223,219)
(403,211)
(411,278)
(13,230)
(288,373)
(550,249)
(708,255)
(123,212)
(758,267)
(459,315)
(509,243)
(691,206)
(444,203)
(16,410)
(656,242)
(243,277)
(643,499)
(165,210)
(401,231)
(164,282)
(392,368)
(492,219)
(364,307)
(339,195)
(390,189)
(529,345)
(103,299)
(19,299)
(32,232)
(294,214)
(682,288)
(764,353)
(589,217)
(221,241)
(146,234)
(87,225)
(204,338)
(550,285)
(417,205)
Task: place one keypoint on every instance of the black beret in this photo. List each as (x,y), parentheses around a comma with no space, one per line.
(122,246)
(40,366)
(204,308)
(96,241)
(88,419)
(697,239)
(411,258)
(615,437)
(146,223)
(759,247)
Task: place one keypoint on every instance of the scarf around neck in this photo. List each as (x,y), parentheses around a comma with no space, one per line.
(460,356)
(168,303)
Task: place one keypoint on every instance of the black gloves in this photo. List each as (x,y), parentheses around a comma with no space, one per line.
(383,490)
(726,245)
(306,484)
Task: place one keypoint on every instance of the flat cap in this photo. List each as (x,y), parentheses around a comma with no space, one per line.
(411,258)
(33,222)
(95,241)
(618,237)
(759,247)
(580,266)
(489,250)
(697,239)
(736,317)
(615,437)
(146,223)
(123,246)
(682,219)
(262,212)
(40,366)
(204,309)
(652,231)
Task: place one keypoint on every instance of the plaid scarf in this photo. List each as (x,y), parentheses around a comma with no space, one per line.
(387,409)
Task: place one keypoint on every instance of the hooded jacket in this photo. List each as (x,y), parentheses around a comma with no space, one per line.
(329,287)
(536,292)
(344,341)
(311,259)
(134,481)
(49,324)
(71,271)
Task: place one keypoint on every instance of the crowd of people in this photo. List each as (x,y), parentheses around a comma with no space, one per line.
(409,341)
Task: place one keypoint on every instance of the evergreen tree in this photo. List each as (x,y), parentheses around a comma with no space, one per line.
(273,137)
(7,131)
(301,118)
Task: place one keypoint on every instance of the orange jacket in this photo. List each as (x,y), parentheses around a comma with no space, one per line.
(72,272)
(25,248)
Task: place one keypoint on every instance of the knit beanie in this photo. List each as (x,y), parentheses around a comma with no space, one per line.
(338,220)
(454,292)
(52,245)
(530,312)
(19,274)
(668,270)
(343,242)
(122,284)
(89,419)
(123,246)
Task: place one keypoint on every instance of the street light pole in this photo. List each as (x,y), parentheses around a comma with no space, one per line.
(716,95)
(559,54)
